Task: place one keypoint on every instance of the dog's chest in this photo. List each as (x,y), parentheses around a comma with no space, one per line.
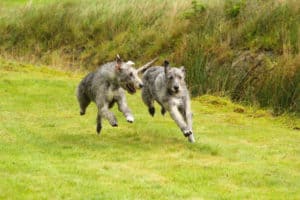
(172,102)
(176,101)
(111,93)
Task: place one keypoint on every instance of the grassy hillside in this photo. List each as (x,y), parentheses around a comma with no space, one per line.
(48,151)
(248,50)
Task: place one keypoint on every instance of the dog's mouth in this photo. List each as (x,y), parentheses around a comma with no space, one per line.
(172,92)
(130,88)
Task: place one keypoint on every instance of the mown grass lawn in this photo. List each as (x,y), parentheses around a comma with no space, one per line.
(48,151)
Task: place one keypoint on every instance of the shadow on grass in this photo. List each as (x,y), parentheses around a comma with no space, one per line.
(127,142)
(57,140)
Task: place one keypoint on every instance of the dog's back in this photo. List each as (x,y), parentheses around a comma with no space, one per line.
(91,84)
(153,78)
(151,73)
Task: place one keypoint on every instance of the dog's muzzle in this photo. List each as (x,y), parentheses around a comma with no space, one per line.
(176,89)
(130,88)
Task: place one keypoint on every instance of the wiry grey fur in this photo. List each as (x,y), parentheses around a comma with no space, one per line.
(106,87)
(167,87)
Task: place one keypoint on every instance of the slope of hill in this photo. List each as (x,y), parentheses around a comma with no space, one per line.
(48,151)
(248,50)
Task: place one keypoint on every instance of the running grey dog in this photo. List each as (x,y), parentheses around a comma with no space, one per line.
(106,87)
(167,86)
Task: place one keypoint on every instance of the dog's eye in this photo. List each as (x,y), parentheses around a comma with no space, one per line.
(180,77)
(171,77)
(131,74)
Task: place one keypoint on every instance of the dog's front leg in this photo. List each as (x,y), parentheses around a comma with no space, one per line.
(189,121)
(107,114)
(178,118)
(188,114)
(123,107)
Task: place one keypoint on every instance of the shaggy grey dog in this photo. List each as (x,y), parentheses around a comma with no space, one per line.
(106,87)
(167,87)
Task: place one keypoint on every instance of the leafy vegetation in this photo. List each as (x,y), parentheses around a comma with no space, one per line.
(248,50)
(49,151)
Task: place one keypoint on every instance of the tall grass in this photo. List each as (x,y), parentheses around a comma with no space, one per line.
(248,50)
(91,32)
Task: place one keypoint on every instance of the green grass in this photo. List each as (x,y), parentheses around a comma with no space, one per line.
(12,3)
(48,151)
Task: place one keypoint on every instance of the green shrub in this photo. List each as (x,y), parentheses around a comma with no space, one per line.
(233,7)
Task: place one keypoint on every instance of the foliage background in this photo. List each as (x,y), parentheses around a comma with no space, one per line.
(248,50)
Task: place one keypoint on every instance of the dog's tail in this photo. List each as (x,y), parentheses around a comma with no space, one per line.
(142,69)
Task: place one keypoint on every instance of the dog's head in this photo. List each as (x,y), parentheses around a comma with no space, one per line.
(174,78)
(128,75)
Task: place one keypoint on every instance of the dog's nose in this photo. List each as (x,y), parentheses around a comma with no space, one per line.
(141,85)
(176,87)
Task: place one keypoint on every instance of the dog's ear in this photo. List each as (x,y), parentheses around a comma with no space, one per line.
(166,65)
(129,62)
(182,68)
(119,62)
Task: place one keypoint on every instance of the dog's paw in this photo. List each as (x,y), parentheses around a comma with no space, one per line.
(191,138)
(130,119)
(152,111)
(114,124)
(163,111)
(98,129)
(187,133)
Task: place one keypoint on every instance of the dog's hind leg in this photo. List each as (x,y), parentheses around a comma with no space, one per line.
(147,99)
(83,101)
(99,123)
(162,110)
(112,103)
